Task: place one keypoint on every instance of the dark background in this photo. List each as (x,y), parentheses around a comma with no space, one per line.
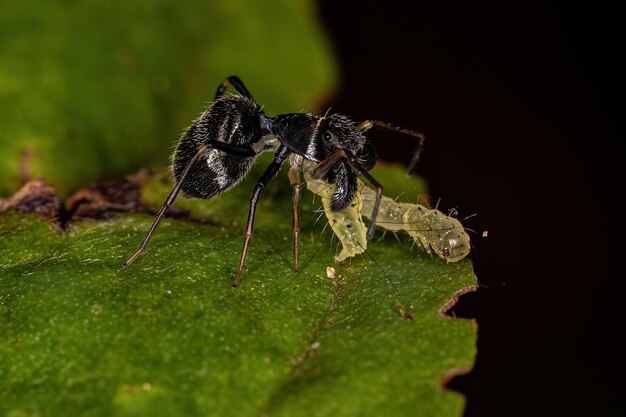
(521,107)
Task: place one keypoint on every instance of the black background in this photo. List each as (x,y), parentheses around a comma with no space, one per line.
(521,105)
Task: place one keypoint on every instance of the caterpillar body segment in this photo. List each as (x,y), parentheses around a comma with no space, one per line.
(347,224)
(430,228)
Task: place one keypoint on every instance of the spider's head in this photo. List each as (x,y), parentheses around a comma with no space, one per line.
(337,132)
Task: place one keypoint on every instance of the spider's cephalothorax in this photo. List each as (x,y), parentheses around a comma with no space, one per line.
(219,148)
(317,138)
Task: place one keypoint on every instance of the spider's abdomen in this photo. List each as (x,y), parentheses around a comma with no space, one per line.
(235,120)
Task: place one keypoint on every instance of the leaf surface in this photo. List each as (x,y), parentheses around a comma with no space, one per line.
(168,336)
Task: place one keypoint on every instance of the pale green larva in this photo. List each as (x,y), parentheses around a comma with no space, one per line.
(435,231)
(429,228)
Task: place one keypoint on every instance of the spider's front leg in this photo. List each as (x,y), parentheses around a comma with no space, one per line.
(368,124)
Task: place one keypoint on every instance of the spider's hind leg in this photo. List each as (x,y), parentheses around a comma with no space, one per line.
(236,83)
(166,205)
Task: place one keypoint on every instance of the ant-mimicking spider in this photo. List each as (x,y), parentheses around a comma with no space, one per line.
(220,147)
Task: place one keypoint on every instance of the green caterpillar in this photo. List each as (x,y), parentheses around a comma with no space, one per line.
(430,228)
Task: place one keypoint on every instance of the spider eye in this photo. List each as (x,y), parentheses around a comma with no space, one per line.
(327,136)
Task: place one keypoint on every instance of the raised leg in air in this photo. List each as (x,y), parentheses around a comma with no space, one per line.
(368,124)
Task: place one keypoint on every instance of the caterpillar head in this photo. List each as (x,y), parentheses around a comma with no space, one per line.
(454,242)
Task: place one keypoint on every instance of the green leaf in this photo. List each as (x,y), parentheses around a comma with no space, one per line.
(168,336)
(95,90)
